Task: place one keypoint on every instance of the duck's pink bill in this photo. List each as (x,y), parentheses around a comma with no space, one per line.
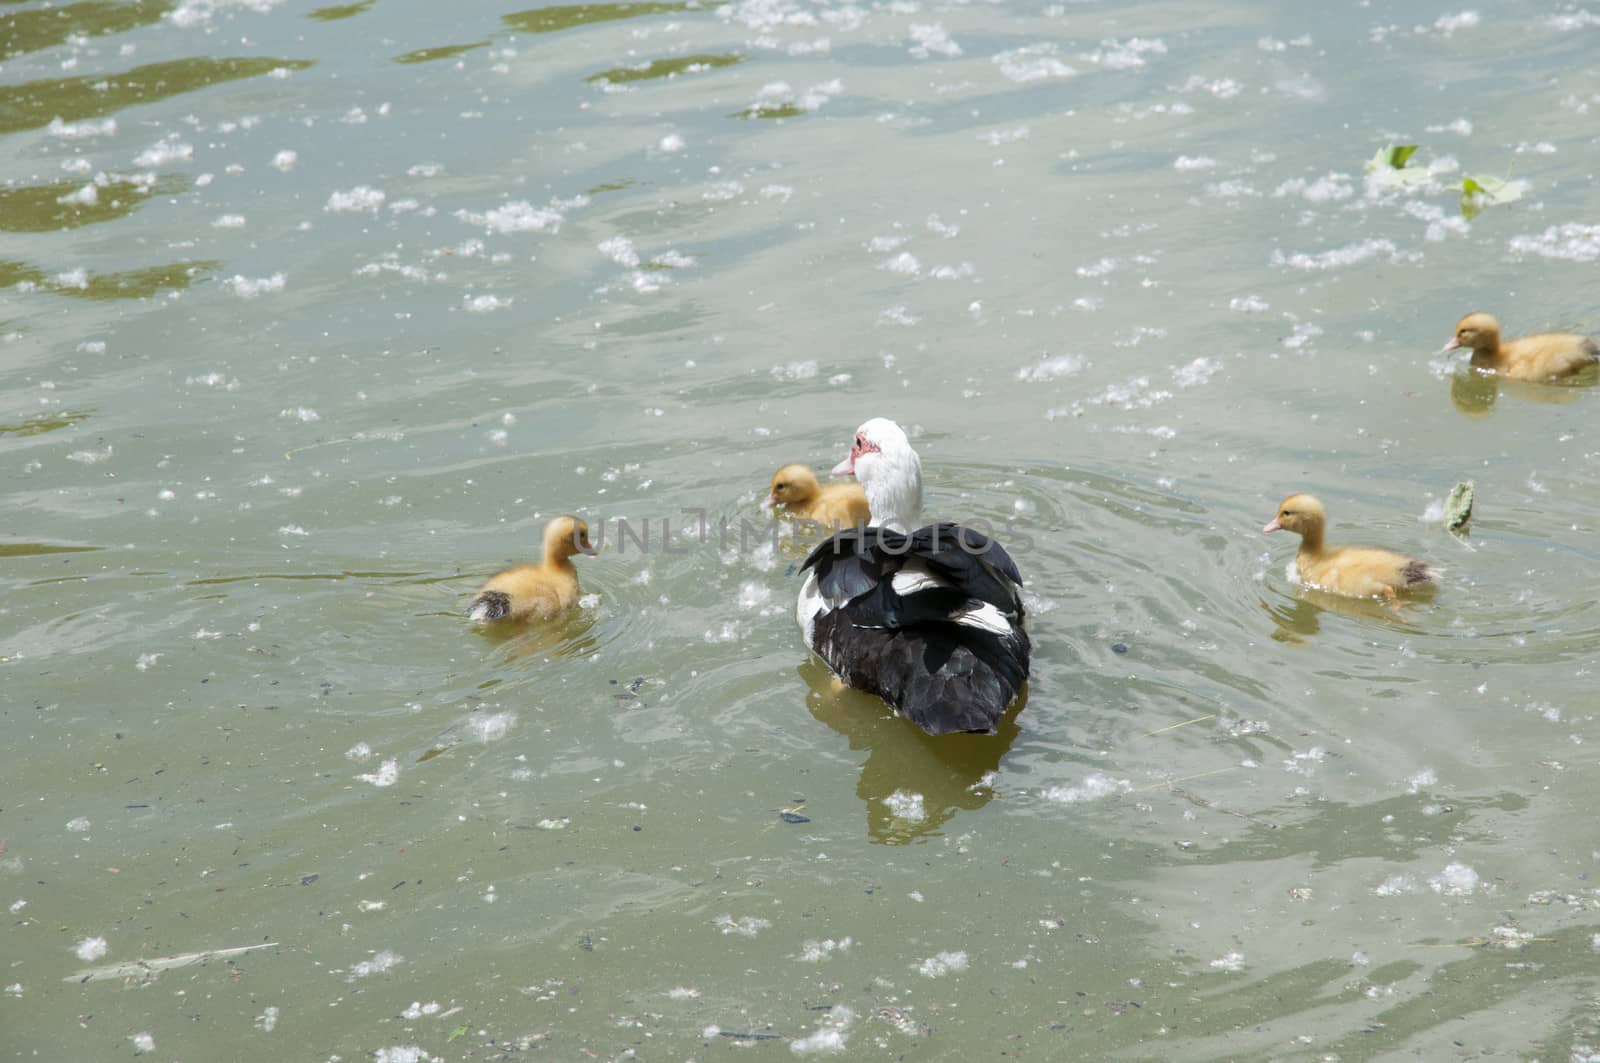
(768,502)
(591,551)
(847,467)
(1274,526)
(1454,344)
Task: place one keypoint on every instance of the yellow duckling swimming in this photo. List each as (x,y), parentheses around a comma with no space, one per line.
(1354,571)
(537,592)
(795,488)
(1543,356)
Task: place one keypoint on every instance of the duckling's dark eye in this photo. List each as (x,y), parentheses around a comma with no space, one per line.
(783,487)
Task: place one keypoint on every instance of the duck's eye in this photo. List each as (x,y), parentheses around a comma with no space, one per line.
(781,487)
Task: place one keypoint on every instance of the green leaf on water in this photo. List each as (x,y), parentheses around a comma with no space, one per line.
(1481,191)
(1458,506)
(457,1032)
(1392,157)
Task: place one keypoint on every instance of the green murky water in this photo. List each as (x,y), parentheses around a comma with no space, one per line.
(310,317)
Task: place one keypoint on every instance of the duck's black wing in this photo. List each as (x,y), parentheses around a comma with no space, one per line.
(931,621)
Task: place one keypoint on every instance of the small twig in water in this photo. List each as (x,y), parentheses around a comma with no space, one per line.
(1174,782)
(1196,799)
(1174,727)
(145,968)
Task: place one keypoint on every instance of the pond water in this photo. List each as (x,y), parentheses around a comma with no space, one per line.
(313,316)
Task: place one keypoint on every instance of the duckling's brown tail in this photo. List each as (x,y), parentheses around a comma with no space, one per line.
(490,605)
(1416,573)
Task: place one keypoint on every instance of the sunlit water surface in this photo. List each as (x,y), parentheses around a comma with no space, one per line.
(312,317)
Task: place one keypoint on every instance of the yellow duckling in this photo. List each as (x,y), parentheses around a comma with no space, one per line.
(1354,571)
(537,592)
(795,488)
(1543,356)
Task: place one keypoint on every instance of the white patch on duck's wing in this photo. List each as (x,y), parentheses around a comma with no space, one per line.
(914,577)
(983,616)
(810,605)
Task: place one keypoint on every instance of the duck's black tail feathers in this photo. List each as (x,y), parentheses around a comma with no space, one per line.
(930,621)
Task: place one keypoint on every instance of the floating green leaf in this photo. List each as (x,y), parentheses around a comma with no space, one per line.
(1392,157)
(1458,506)
(459,1031)
(1388,167)
(1480,191)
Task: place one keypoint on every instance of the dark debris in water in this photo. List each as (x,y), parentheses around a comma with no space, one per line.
(736,1035)
(634,686)
(793,817)
(1119,647)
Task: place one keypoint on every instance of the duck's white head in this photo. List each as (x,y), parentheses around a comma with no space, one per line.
(890,473)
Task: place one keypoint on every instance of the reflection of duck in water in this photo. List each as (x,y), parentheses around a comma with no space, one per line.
(537,592)
(934,777)
(572,634)
(1543,356)
(1474,392)
(1296,620)
(1299,618)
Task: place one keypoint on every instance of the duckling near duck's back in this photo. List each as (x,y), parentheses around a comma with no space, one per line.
(840,505)
(1542,356)
(537,592)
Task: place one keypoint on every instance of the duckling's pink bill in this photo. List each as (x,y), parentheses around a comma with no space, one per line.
(768,502)
(1453,345)
(1274,526)
(847,467)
